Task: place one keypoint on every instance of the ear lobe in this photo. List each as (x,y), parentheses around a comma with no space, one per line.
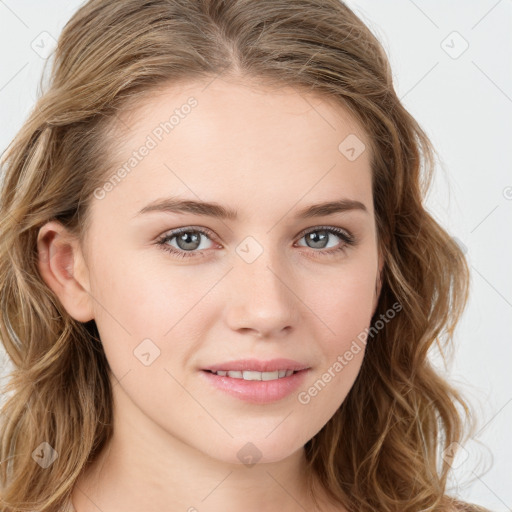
(61,265)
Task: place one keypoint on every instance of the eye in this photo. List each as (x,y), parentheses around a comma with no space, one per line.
(188,240)
(318,238)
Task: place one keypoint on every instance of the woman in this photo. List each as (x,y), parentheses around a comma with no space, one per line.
(218,281)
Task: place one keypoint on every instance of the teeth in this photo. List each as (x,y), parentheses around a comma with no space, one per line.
(253,375)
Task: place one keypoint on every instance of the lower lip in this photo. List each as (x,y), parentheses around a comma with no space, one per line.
(257,391)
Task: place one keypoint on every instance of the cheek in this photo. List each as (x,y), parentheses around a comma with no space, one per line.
(348,316)
(350,310)
(343,300)
(343,305)
(141,308)
(144,299)
(126,310)
(344,313)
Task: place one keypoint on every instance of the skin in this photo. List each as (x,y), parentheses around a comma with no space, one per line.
(267,153)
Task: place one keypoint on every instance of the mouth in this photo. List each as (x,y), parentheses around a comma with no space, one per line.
(254,386)
(254,375)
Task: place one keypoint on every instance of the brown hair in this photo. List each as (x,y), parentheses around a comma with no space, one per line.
(382,448)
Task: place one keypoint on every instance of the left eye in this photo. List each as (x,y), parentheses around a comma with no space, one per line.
(188,240)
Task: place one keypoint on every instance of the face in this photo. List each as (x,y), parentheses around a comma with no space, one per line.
(264,282)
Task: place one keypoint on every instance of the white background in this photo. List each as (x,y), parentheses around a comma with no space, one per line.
(463,100)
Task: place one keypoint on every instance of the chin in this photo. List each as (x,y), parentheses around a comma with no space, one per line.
(247,452)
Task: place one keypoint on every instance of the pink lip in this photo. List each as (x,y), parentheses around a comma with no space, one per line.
(258,365)
(257,391)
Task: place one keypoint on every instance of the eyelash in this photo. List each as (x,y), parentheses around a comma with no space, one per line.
(348,239)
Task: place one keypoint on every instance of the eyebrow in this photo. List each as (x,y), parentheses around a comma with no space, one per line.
(177,205)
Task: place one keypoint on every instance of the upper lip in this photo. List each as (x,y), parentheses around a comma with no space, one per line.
(258,365)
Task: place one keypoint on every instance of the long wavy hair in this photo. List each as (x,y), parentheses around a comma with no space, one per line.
(383,448)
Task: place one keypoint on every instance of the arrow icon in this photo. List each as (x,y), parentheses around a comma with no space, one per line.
(146,352)
(44,454)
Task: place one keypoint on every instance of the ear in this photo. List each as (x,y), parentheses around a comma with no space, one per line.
(378,283)
(63,269)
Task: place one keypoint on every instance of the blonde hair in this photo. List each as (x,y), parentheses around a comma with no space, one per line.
(382,448)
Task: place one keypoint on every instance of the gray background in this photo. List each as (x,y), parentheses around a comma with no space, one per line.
(462,97)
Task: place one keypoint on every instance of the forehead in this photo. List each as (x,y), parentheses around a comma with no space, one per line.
(237,143)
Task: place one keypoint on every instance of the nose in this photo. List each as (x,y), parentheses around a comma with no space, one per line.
(262,300)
